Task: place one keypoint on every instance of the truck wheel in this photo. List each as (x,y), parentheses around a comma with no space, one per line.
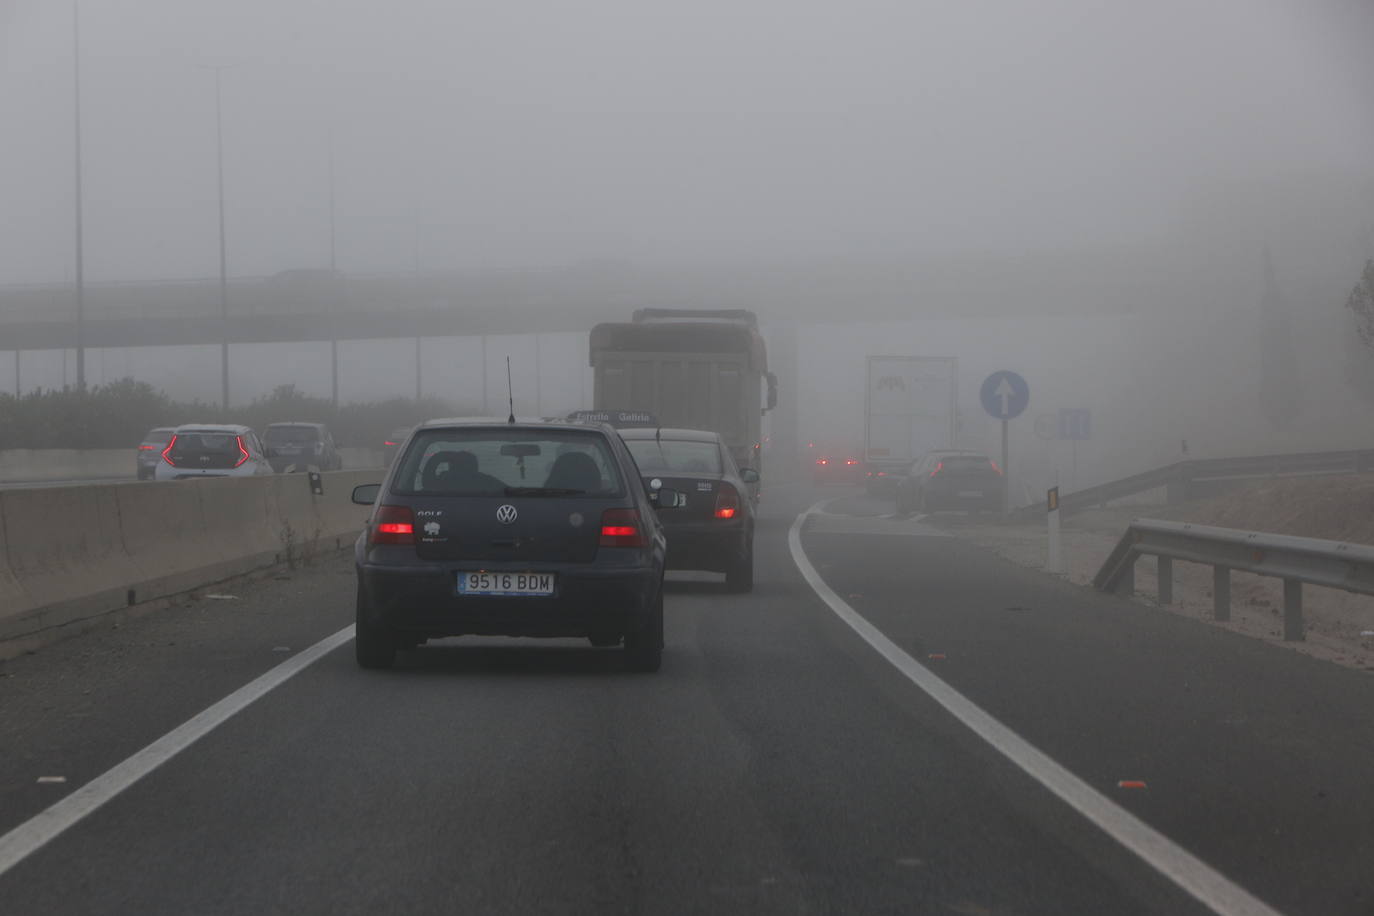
(644,647)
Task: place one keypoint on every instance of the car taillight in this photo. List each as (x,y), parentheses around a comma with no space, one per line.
(622,528)
(851,462)
(938,468)
(388,442)
(727,502)
(243,452)
(167,452)
(995,467)
(394,525)
(822,461)
(145,447)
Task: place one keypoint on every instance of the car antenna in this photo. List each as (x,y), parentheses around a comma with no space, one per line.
(510,393)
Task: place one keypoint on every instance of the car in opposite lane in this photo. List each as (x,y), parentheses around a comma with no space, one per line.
(492,528)
(714,530)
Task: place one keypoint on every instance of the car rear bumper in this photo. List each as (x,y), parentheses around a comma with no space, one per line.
(711,546)
(423,600)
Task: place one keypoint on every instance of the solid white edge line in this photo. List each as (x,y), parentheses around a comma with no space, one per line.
(49,823)
(1190,873)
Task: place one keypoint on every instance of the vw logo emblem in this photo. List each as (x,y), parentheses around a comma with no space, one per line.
(506,514)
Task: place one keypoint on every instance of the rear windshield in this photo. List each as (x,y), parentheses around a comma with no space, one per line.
(283,435)
(675,455)
(966,463)
(192,444)
(158,436)
(498,461)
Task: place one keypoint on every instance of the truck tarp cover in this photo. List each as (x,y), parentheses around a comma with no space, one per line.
(910,402)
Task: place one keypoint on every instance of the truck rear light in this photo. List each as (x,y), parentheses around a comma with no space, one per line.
(727,502)
(243,452)
(394,525)
(167,452)
(622,528)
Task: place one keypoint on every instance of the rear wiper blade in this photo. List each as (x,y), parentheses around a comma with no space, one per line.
(543,491)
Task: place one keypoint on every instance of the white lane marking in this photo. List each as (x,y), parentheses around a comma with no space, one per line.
(1190,873)
(48,824)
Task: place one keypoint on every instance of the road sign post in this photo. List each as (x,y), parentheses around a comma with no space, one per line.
(1005,395)
(1056,554)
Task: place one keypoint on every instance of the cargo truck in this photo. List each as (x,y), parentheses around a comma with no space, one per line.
(690,368)
(910,407)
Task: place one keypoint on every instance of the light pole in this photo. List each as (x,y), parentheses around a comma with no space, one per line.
(333,268)
(80,228)
(223,262)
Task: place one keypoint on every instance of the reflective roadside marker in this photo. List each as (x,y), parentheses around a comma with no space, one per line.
(937,656)
(1131,784)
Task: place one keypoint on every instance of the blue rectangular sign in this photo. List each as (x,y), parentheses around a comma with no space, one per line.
(1075,423)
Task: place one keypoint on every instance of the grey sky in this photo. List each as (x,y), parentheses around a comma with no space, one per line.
(525,134)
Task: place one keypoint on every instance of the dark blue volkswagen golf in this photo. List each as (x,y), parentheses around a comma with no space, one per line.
(511,529)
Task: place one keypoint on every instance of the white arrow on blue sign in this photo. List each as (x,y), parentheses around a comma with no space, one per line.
(1004,395)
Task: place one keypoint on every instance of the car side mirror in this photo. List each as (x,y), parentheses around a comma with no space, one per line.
(366,494)
(668,498)
(749,475)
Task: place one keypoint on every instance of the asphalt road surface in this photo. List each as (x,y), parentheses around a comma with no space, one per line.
(778,764)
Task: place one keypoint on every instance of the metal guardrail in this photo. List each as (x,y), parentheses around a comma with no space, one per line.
(1297,561)
(1180,478)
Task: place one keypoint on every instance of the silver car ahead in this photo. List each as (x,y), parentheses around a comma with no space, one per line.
(208,450)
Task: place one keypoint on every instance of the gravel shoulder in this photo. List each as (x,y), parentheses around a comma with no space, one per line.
(1340,626)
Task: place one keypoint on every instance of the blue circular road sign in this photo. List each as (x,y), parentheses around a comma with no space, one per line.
(1004,395)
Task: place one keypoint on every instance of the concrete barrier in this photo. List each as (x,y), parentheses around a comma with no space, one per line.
(74,554)
(35,465)
(23,465)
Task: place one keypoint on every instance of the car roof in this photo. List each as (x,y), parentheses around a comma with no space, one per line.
(212,428)
(526,423)
(296,423)
(687,435)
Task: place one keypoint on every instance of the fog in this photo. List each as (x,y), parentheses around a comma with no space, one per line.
(530,134)
(967,169)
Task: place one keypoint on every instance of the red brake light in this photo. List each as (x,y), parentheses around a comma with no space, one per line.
(822,460)
(850,462)
(388,442)
(938,468)
(727,502)
(621,528)
(394,525)
(995,467)
(166,452)
(243,452)
(145,447)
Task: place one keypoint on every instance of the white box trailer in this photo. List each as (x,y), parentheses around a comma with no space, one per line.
(910,407)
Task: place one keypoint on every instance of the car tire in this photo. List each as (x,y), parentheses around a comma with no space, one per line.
(739,577)
(374,646)
(644,647)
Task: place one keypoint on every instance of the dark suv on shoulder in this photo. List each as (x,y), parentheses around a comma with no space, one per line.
(511,529)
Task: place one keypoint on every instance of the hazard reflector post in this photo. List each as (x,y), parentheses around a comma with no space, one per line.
(316,483)
(1055,562)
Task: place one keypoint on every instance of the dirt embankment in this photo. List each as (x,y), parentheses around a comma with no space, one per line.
(1340,626)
